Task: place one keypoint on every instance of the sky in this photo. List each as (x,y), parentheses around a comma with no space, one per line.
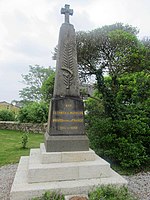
(29,31)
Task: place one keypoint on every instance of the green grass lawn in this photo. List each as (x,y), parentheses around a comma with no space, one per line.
(11,145)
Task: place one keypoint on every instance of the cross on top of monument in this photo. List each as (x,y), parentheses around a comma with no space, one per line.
(67,11)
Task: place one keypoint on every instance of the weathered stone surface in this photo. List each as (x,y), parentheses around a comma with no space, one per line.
(66,117)
(82,181)
(66,143)
(66,80)
(39,172)
(67,11)
(65,157)
(29,127)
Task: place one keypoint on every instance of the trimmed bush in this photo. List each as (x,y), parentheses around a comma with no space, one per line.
(24,140)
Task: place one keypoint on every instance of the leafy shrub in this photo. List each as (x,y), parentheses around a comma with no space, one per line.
(24,140)
(130,154)
(50,196)
(122,141)
(34,112)
(110,193)
(7,115)
(124,135)
(100,135)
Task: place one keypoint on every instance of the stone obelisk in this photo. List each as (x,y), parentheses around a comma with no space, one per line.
(66,130)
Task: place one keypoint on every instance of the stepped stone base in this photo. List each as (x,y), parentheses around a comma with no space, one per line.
(67,172)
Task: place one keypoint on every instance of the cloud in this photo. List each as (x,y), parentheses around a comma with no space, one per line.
(82,21)
(29,46)
(29,31)
(10,85)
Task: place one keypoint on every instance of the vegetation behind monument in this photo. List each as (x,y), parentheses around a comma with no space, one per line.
(36,95)
(118,115)
(123,138)
(34,81)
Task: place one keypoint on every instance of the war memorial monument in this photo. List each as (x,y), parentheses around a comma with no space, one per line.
(64,161)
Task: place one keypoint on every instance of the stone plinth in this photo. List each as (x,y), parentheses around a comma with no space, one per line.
(66,130)
(66,143)
(74,172)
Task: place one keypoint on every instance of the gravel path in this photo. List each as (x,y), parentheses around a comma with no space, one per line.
(139,184)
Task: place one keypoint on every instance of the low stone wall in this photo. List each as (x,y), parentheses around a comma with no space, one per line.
(30,127)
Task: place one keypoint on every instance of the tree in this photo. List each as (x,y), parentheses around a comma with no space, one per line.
(114,50)
(146,42)
(33,81)
(48,87)
(119,125)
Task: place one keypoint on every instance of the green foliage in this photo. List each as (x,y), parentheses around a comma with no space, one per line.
(146,43)
(24,140)
(122,134)
(130,153)
(48,87)
(110,192)
(7,115)
(100,135)
(114,48)
(94,106)
(50,196)
(127,53)
(34,112)
(134,88)
(33,81)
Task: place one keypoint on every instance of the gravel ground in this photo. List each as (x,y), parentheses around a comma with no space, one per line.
(139,184)
(7,174)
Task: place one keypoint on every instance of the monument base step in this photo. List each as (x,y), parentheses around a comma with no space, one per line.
(39,172)
(23,190)
(65,157)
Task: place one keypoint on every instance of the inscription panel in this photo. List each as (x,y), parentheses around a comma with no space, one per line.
(66,117)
